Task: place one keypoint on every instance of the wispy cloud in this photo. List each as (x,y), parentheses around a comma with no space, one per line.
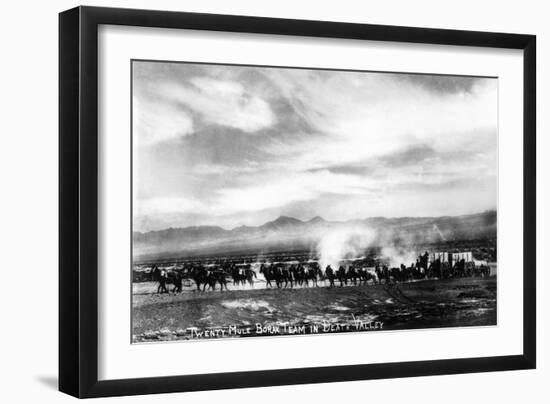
(157,122)
(225,103)
(232,145)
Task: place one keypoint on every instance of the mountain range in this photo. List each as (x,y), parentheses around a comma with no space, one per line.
(286,231)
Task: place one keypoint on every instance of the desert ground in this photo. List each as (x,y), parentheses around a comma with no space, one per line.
(253,311)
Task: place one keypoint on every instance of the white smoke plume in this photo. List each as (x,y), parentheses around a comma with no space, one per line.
(338,244)
(399,255)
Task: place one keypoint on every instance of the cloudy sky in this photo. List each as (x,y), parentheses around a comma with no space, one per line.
(236,145)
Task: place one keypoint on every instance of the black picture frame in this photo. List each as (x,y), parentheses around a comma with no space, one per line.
(78,200)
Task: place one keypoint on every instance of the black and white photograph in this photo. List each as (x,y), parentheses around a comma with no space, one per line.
(276,202)
(273,201)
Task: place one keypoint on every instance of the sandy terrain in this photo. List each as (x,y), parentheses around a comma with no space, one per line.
(245,313)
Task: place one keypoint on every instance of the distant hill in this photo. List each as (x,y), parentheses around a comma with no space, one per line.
(291,232)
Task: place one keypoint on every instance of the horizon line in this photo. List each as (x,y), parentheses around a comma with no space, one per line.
(313,218)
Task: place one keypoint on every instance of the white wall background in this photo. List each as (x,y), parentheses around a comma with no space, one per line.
(28,203)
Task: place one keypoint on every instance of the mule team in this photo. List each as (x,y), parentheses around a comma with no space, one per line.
(289,275)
